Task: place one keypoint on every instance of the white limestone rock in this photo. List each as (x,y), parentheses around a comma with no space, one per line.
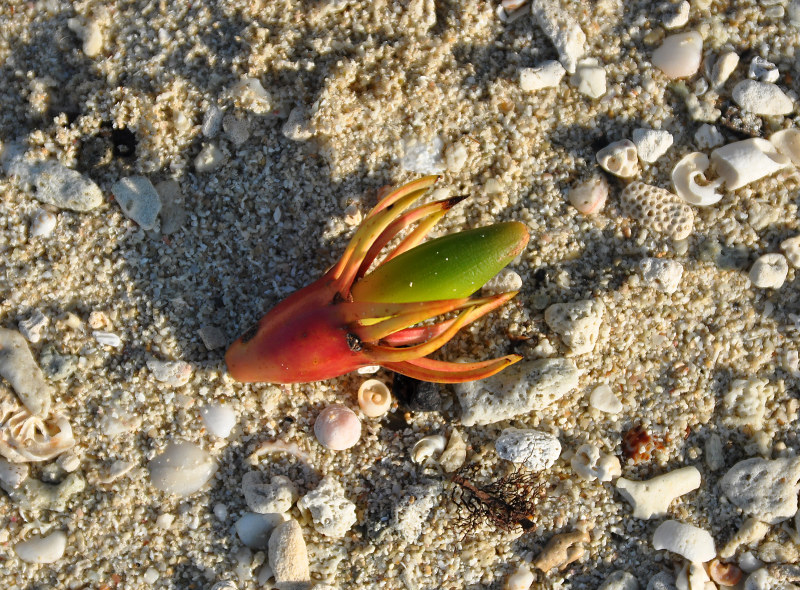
(534,449)
(563,31)
(546,75)
(762,98)
(690,542)
(19,368)
(332,514)
(296,126)
(64,188)
(662,274)
(522,388)
(651,144)
(764,488)
(577,322)
(677,16)
(504,281)
(652,498)
(603,399)
(411,512)
(590,463)
(679,55)
(589,78)
(261,497)
(138,199)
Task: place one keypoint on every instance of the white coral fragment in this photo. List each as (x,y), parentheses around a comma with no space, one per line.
(658,210)
(787,142)
(652,497)
(746,403)
(26,437)
(690,183)
(619,158)
(590,463)
(746,161)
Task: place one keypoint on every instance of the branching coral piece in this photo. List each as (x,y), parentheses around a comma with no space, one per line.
(361,313)
(26,437)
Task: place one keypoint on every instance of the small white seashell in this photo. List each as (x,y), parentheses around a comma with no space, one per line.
(374,398)
(620,158)
(43,224)
(602,398)
(40,549)
(791,249)
(769,271)
(679,55)
(107,338)
(182,468)
(746,161)
(455,454)
(427,446)
(368,370)
(691,542)
(787,142)
(520,579)
(652,497)
(590,196)
(219,419)
(337,428)
(724,66)
(685,177)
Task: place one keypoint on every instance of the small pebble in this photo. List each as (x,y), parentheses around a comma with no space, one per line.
(39,549)
(182,468)
(138,199)
(43,224)
(763,70)
(504,281)
(651,144)
(521,579)
(237,130)
(337,428)
(173,373)
(590,196)
(18,367)
(455,453)
(209,159)
(762,98)
(212,337)
(677,16)
(603,399)
(589,78)
(212,122)
(12,475)
(708,136)
(219,419)
(769,271)
(254,529)
(662,274)
(791,249)
(724,66)
(455,157)
(690,542)
(173,212)
(620,580)
(535,450)
(679,55)
(546,75)
(65,188)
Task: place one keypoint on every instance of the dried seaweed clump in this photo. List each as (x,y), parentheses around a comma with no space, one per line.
(508,502)
(26,437)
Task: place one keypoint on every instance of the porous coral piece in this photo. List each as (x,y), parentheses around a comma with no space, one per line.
(658,210)
(563,549)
